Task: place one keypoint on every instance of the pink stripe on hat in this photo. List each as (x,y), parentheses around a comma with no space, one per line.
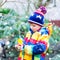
(42,10)
(38,11)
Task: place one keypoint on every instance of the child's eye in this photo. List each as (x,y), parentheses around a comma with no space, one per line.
(33,25)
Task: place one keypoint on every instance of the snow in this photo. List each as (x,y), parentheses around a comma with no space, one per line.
(53,13)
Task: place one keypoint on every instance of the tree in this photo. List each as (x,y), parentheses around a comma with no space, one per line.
(12,27)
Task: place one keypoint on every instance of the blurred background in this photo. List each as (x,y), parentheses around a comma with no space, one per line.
(13,25)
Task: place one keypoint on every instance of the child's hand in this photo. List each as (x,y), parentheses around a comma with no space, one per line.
(19,44)
(17,47)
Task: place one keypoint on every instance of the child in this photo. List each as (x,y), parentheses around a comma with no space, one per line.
(35,44)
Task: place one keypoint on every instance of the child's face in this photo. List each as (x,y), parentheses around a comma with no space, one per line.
(35,27)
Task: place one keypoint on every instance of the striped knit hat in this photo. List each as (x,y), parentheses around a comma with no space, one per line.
(38,16)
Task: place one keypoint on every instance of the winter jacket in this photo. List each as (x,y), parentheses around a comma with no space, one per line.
(35,44)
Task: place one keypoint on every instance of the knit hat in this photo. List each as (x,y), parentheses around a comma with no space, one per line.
(38,16)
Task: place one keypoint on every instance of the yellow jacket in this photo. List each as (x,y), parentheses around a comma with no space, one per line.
(33,39)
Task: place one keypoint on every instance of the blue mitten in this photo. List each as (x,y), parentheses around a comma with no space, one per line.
(39,48)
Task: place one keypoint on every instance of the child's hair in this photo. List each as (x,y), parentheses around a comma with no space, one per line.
(38,16)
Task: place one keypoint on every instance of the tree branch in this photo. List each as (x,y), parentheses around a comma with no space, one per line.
(3,3)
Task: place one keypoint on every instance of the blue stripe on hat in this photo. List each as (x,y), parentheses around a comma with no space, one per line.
(37,18)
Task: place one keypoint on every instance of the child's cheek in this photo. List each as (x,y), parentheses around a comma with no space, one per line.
(36,28)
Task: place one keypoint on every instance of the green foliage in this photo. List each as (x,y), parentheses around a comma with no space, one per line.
(12,26)
(4,10)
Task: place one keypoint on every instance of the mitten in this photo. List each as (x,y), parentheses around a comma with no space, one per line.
(39,48)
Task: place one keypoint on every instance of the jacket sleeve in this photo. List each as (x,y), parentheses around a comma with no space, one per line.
(39,48)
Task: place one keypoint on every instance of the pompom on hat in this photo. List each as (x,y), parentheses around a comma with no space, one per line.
(38,16)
